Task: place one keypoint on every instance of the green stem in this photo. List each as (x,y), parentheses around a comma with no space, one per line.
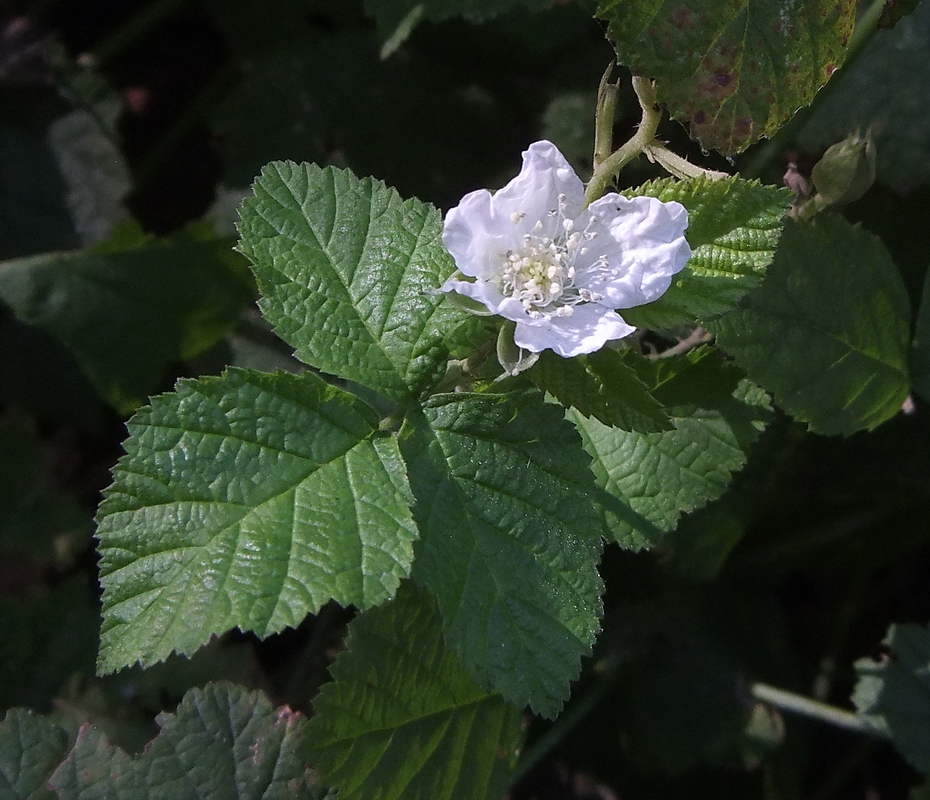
(678,166)
(607,171)
(604,117)
(814,709)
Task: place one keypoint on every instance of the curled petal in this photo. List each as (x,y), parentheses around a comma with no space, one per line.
(643,239)
(536,191)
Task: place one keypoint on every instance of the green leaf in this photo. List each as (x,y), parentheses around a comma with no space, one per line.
(650,479)
(920,352)
(350,274)
(403,720)
(735,71)
(834,295)
(510,539)
(883,92)
(894,693)
(601,385)
(247,500)
(31,748)
(133,306)
(733,229)
(222,742)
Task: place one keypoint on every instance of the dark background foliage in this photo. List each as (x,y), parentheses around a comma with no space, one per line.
(820,544)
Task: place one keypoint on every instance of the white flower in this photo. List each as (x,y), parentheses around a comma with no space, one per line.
(556,269)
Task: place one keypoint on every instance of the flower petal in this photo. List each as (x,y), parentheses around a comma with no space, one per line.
(587,330)
(476,237)
(644,241)
(534,193)
(483,291)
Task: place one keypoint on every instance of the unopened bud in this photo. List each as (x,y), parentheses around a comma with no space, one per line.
(846,171)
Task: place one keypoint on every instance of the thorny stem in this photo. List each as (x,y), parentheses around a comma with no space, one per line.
(814,709)
(607,168)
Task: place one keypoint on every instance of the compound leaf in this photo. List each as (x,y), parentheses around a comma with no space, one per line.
(349,275)
(247,500)
(834,295)
(403,720)
(735,71)
(733,230)
(510,539)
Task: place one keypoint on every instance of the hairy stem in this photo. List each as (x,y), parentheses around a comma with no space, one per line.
(678,166)
(604,117)
(607,170)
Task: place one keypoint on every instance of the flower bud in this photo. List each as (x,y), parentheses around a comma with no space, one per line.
(846,171)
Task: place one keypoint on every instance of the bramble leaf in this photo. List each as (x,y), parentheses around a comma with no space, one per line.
(894,693)
(31,747)
(735,71)
(247,500)
(510,539)
(403,720)
(132,306)
(349,275)
(652,478)
(222,742)
(733,229)
(828,331)
(603,386)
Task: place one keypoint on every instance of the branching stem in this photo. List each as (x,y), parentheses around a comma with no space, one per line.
(607,168)
(606,172)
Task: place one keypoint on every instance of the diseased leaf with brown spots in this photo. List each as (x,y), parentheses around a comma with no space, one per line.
(736,70)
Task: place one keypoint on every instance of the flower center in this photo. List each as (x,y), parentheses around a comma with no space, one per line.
(541,273)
